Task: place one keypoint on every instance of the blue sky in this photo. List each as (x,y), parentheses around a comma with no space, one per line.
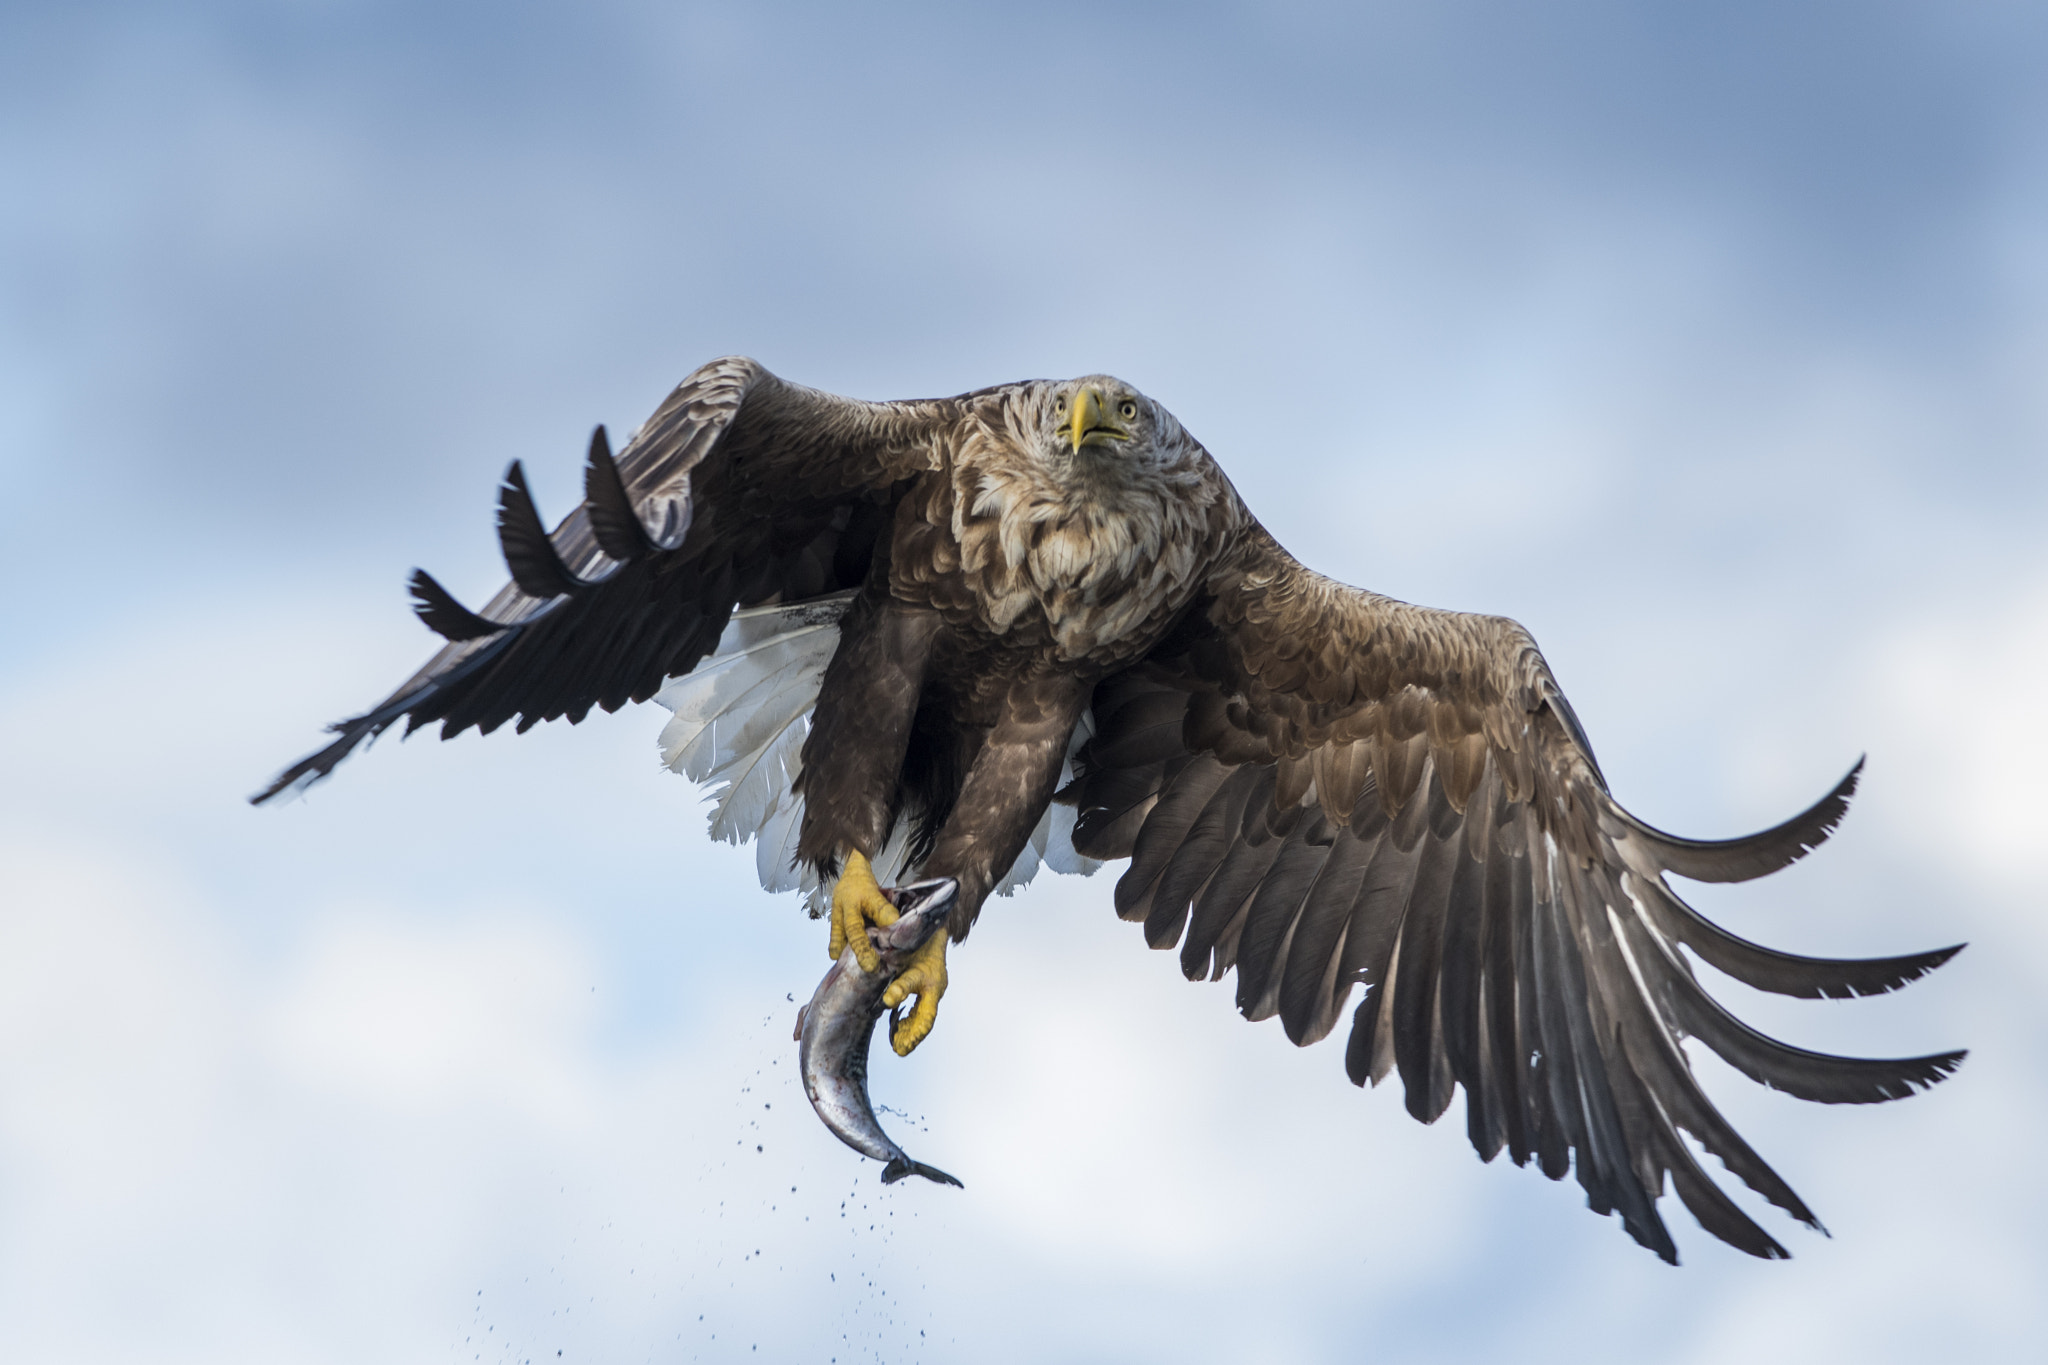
(1706,343)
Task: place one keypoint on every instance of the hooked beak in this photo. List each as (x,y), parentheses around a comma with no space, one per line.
(1090,423)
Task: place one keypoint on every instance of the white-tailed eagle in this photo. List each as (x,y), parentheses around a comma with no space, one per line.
(1035,623)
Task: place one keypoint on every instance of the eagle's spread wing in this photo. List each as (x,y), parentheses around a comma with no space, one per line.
(740,489)
(1320,787)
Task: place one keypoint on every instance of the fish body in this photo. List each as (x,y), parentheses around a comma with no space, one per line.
(834,1030)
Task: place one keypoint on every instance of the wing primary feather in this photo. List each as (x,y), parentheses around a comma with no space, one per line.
(613,522)
(1784,973)
(1603,1163)
(1606,989)
(1654,1057)
(315,766)
(1707,1202)
(1753,855)
(445,616)
(528,549)
(1818,1076)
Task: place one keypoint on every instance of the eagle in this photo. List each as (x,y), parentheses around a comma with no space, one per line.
(1036,625)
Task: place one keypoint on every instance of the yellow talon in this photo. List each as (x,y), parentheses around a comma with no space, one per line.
(857,902)
(925,978)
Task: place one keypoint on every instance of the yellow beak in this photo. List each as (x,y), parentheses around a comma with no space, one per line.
(1090,422)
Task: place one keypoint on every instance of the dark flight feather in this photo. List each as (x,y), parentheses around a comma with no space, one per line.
(1767,969)
(445,616)
(1755,855)
(613,522)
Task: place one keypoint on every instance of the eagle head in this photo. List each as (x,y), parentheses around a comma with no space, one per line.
(1098,418)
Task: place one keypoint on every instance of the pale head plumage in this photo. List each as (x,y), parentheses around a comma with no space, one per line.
(1095,427)
(1087,507)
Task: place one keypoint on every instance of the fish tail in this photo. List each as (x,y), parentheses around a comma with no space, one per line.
(903,1166)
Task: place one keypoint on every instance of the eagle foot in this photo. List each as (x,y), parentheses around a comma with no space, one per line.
(924,977)
(857,902)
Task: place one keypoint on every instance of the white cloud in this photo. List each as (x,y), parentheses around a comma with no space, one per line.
(1964,682)
(411,1016)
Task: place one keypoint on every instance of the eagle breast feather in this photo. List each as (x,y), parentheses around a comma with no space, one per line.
(1097,552)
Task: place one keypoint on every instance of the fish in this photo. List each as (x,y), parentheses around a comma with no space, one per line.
(834,1030)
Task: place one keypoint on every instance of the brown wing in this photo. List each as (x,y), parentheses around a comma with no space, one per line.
(741,489)
(1321,787)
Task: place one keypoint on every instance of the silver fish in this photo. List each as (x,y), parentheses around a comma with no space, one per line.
(835,1028)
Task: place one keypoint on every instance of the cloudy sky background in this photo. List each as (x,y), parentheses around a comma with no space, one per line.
(1708,342)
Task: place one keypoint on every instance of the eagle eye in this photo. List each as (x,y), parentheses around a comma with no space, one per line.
(1128,409)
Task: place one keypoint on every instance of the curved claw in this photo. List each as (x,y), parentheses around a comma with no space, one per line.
(925,978)
(857,902)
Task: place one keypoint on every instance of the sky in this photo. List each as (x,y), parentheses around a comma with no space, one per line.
(1706,341)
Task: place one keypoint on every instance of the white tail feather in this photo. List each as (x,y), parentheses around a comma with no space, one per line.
(730,706)
(759,779)
(739,727)
(775,849)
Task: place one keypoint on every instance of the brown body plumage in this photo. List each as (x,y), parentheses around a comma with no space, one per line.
(1317,787)
(1012,578)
